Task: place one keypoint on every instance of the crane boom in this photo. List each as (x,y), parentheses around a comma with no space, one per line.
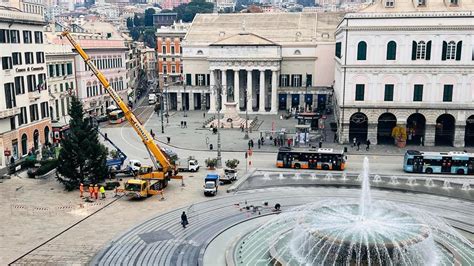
(145,136)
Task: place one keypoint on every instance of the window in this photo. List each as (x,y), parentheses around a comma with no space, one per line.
(360,88)
(4,36)
(29,58)
(297,52)
(418,93)
(16,59)
(27,36)
(58,70)
(63,69)
(38,37)
(388,96)
(10,98)
(453,2)
(163,49)
(389,3)
(338,49)
(14,36)
(41,82)
(51,71)
(69,68)
(391,50)
(296,80)
(34,115)
(309,80)
(39,57)
(362,51)
(31,82)
(44,110)
(173,69)
(284,80)
(451,50)
(172,49)
(7,62)
(188,79)
(421,50)
(23,118)
(199,52)
(12,123)
(19,85)
(448,93)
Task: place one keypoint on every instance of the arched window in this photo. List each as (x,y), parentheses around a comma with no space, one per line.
(362,50)
(451,50)
(24,144)
(297,52)
(199,52)
(421,50)
(391,50)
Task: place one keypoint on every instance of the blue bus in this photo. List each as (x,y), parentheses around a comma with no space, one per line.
(452,162)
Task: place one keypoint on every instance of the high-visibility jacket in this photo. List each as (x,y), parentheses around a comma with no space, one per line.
(96,189)
(91,189)
(81,188)
(102,190)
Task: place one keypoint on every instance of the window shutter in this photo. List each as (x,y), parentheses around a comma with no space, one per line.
(428,50)
(445,49)
(279,84)
(458,51)
(413,50)
(208,79)
(292,80)
(188,79)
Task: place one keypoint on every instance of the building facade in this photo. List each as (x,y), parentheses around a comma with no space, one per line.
(108,55)
(263,62)
(169,53)
(409,64)
(61,77)
(24,101)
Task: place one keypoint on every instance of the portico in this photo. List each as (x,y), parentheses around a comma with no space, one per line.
(244,68)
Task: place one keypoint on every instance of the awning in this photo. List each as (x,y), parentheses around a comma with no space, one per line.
(112,107)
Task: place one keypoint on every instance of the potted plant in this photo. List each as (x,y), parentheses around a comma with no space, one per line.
(399,133)
(232,164)
(211,163)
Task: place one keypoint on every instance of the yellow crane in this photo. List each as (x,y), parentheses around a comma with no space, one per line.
(150,180)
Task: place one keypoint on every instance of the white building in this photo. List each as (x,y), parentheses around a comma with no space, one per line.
(409,63)
(264,62)
(61,80)
(24,107)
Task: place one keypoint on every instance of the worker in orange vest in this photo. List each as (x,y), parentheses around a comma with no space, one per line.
(91,191)
(81,189)
(96,191)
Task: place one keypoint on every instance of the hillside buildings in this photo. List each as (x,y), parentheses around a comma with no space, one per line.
(409,63)
(25,124)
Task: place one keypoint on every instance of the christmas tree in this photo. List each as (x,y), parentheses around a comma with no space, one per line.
(82,158)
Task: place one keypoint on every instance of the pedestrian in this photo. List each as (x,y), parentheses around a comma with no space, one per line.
(91,191)
(368,145)
(96,191)
(358,145)
(105,136)
(151,133)
(204,115)
(182,124)
(184,220)
(259,143)
(262,139)
(250,144)
(275,141)
(422,141)
(102,192)
(335,137)
(320,144)
(354,142)
(81,189)
(168,139)
(185,124)
(289,142)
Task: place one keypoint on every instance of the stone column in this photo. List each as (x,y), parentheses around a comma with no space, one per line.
(191,100)
(224,88)
(261,105)
(179,100)
(212,83)
(459,134)
(237,88)
(430,131)
(274,101)
(371,134)
(249,99)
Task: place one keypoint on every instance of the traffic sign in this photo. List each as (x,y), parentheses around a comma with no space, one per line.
(7,153)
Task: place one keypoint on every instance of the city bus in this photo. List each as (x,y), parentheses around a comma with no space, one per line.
(116,117)
(325,159)
(452,162)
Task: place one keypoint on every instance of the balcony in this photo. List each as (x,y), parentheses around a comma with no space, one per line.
(34,95)
(9,112)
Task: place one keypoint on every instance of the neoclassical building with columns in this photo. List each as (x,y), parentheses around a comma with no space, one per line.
(261,62)
(409,63)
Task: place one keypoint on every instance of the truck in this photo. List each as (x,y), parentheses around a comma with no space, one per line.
(152,98)
(211,183)
(152,178)
(230,175)
(189,164)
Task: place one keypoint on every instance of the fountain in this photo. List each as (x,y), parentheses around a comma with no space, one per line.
(347,232)
(429,182)
(411,181)
(328,177)
(466,187)
(393,180)
(344,177)
(313,176)
(377,179)
(446,184)
(281,176)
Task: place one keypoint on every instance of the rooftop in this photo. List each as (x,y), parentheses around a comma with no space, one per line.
(401,6)
(275,27)
(16,16)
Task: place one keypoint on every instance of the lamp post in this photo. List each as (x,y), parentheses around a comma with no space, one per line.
(184,102)
(246,136)
(162,103)
(218,90)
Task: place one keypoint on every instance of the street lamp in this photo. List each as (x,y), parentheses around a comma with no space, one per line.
(218,90)
(246,136)
(162,104)
(184,102)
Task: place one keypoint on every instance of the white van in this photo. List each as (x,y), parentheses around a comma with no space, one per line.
(151,99)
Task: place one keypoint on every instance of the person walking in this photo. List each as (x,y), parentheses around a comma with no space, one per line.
(96,191)
(354,142)
(274,141)
(91,191)
(102,192)
(368,145)
(184,220)
(185,124)
(250,144)
(335,137)
(204,115)
(358,145)
(259,143)
(182,124)
(168,139)
(320,144)
(81,189)
(422,141)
